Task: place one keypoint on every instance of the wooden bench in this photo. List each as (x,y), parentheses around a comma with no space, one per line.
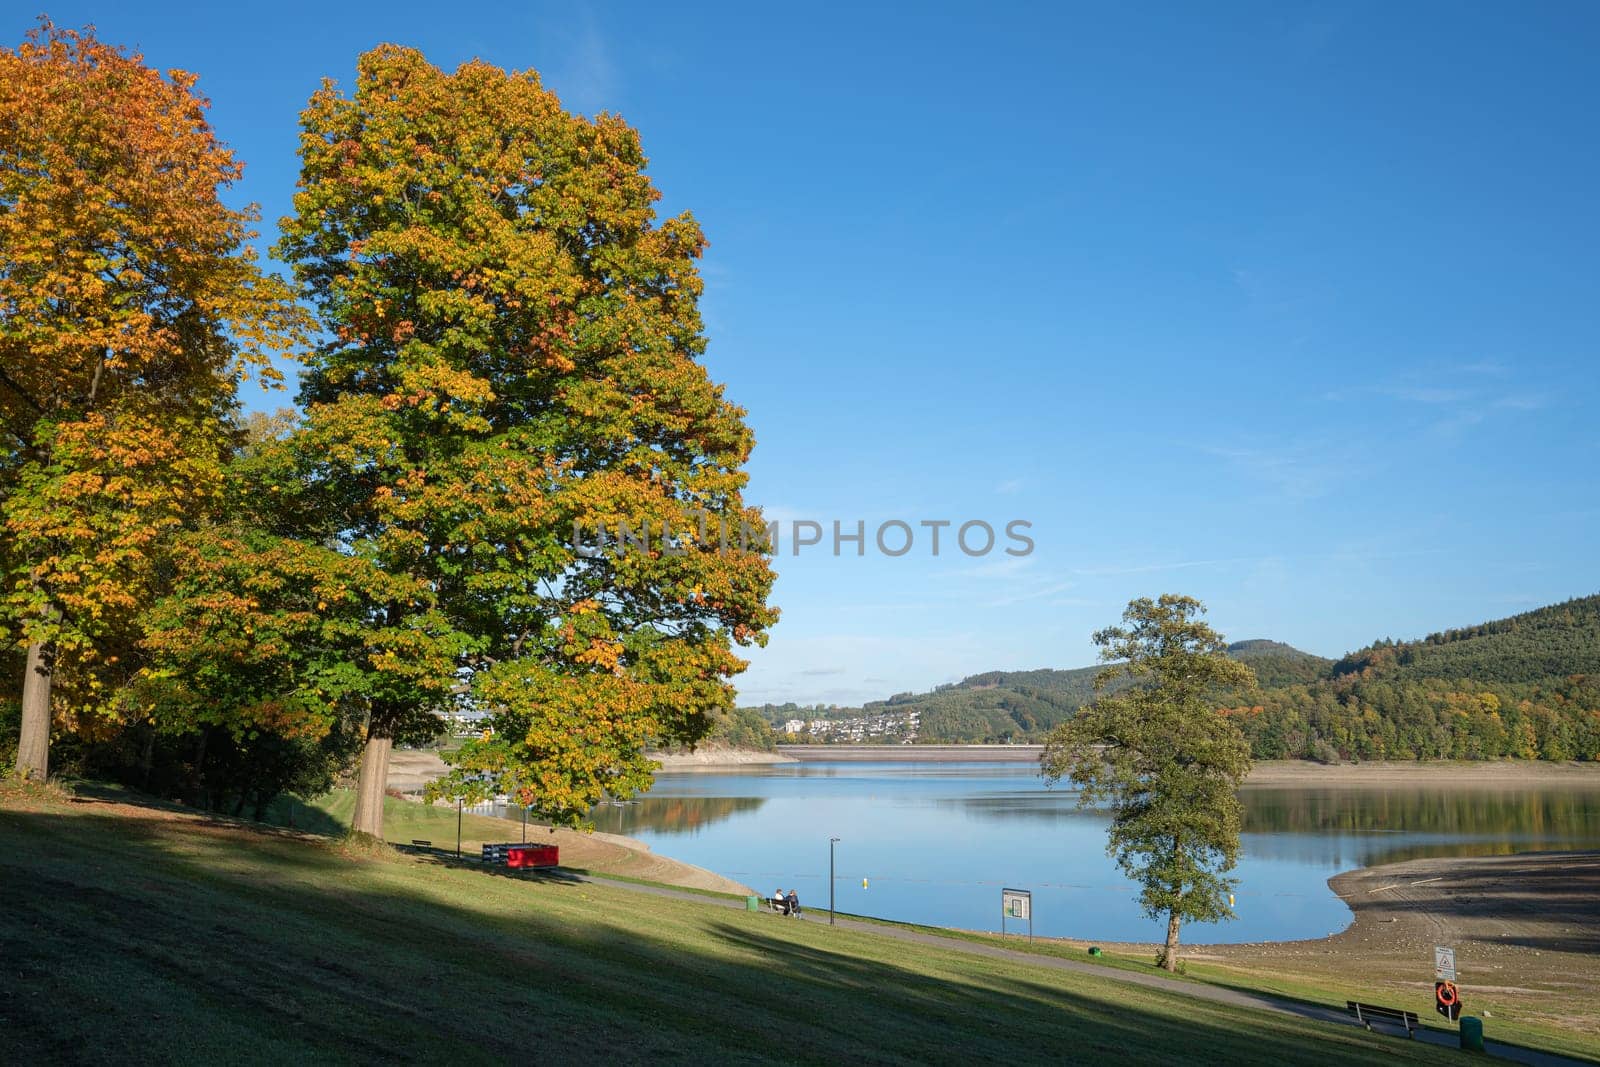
(421,844)
(1365,1013)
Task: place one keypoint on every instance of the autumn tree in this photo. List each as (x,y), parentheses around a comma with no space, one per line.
(130,305)
(512,364)
(1164,760)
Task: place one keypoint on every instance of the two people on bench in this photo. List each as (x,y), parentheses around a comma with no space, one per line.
(787,903)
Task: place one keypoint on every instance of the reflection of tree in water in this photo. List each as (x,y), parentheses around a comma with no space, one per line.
(1347,827)
(670,815)
(1060,806)
(1475,812)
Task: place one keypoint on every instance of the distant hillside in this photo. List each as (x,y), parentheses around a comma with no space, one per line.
(1022,705)
(1276,663)
(1526,687)
(1004,706)
(1551,642)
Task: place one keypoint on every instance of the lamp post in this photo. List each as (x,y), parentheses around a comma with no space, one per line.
(831,842)
(458,827)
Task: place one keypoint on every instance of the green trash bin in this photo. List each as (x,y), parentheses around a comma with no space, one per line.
(752,903)
(1471,1033)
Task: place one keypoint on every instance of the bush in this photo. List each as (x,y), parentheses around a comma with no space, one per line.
(10,733)
(1323,752)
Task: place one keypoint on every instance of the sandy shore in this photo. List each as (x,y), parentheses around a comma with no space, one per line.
(1526,929)
(914,753)
(1437,773)
(410,770)
(711,759)
(1266,773)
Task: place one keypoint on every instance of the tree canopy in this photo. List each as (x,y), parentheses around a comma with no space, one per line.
(1162,758)
(130,306)
(512,363)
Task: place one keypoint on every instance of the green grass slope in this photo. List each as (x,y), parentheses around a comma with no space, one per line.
(133,934)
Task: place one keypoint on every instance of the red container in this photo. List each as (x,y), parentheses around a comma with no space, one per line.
(533,856)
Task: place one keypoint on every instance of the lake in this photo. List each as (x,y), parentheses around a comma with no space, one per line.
(935,842)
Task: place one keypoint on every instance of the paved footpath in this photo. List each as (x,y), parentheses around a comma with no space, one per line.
(1196,990)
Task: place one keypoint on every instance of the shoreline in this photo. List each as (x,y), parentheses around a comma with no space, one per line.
(1525,927)
(715,759)
(912,753)
(1265,773)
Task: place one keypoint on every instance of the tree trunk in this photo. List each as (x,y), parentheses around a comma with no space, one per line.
(33,746)
(202,792)
(1169,958)
(147,758)
(373,779)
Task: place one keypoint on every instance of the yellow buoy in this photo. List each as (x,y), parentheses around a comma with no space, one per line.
(863,883)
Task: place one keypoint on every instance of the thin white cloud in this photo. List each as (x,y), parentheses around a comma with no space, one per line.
(1179,565)
(1299,471)
(1523,402)
(587,79)
(1425,394)
(1032,594)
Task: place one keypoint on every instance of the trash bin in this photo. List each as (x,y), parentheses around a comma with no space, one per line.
(532,856)
(1471,1033)
(752,903)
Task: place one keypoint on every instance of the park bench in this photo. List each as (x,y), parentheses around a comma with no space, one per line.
(1365,1013)
(421,844)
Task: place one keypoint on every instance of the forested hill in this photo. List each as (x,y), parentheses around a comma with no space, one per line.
(1551,642)
(1278,664)
(1001,706)
(1522,687)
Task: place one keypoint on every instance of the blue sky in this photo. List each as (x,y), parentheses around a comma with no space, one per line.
(1289,307)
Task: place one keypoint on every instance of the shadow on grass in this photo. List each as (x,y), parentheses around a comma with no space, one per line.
(192,940)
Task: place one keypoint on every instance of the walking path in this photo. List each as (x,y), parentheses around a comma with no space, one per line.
(1217,994)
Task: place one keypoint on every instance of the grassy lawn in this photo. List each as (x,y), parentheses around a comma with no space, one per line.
(403,821)
(139,933)
(1330,990)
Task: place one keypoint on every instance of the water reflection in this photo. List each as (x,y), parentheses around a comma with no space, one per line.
(670,815)
(934,842)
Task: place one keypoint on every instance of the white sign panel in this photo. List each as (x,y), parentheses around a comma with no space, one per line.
(1444,964)
(1016,903)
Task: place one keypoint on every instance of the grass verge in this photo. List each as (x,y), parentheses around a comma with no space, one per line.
(180,937)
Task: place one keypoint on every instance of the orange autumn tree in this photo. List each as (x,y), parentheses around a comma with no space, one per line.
(130,305)
(513,363)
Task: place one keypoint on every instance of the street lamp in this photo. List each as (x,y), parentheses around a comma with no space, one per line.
(831,842)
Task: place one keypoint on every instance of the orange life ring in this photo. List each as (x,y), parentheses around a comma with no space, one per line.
(1447,993)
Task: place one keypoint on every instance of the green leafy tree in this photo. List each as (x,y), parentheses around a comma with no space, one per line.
(1164,760)
(511,367)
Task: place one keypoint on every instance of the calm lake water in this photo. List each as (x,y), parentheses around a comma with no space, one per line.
(935,842)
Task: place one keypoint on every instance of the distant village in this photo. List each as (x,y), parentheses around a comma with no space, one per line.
(881,727)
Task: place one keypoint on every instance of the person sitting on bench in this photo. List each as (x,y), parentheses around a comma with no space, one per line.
(779,901)
(793,900)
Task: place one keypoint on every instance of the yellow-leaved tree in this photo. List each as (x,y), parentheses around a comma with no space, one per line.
(130,305)
(513,352)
